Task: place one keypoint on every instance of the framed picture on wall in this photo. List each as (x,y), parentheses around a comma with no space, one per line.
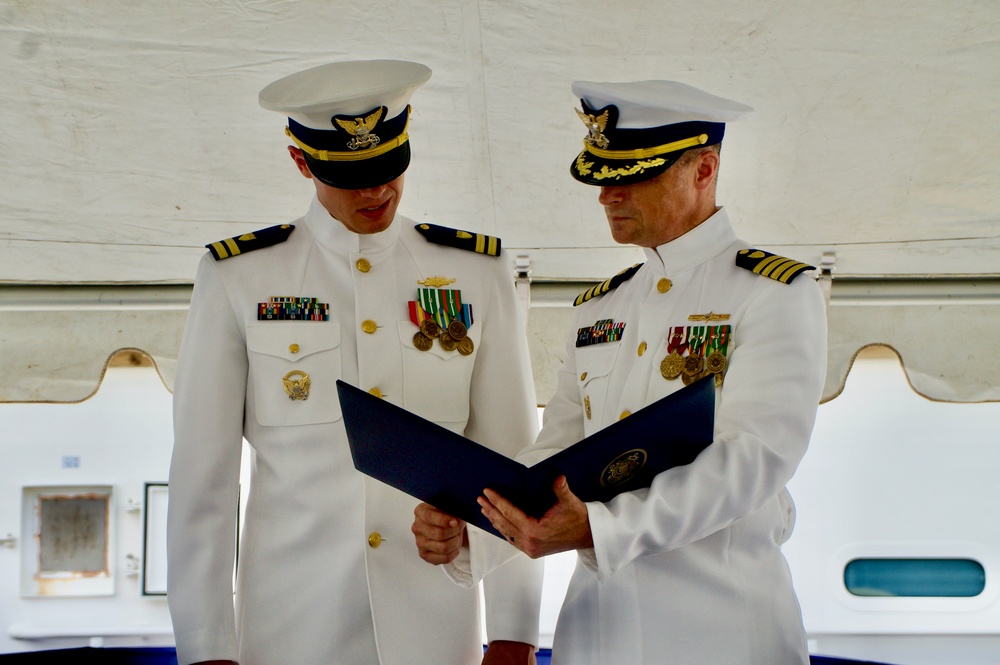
(68,533)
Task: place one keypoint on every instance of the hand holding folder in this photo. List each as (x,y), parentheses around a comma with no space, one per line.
(449,471)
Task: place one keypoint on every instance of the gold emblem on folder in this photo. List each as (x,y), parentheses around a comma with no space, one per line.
(624,467)
(296,385)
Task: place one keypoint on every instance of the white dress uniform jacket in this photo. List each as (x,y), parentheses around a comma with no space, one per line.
(328,571)
(690,571)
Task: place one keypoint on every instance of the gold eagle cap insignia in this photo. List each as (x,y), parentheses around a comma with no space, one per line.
(595,125)
(361,130)
(365,125)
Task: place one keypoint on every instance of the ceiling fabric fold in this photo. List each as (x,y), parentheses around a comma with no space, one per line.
(947,345)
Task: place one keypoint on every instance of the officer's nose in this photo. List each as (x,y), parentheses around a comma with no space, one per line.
(610,195)
(372,192)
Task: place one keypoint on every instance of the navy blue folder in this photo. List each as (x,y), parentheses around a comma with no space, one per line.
(449,471)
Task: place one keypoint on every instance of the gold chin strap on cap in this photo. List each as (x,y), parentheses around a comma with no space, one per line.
(645,153)
(333,156)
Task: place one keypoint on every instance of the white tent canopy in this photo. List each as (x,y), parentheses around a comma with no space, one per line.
(133,138)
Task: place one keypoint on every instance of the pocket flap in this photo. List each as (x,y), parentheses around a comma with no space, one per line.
(595,362)
(292,340)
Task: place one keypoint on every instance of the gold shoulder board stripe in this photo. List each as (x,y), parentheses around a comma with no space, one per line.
(607,285)
(771,265)
(474,242)
(223,249)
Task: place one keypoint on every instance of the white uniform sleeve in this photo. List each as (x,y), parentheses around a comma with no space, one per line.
(503,417)
(209,395)
(562,427)
(764,418)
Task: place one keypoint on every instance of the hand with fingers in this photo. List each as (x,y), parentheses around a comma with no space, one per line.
(565,526)
(439,536)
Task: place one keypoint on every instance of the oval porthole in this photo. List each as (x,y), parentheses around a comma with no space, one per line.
(915,578)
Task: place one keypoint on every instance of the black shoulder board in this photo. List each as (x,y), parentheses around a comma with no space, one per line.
(607,285)
(223,249)
(770,265)
(474,242)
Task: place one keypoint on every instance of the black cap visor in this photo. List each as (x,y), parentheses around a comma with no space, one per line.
(361,173)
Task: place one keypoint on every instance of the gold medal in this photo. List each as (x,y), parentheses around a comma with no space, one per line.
(430,328)
(672,366)
(673,363)
(422,341)
(715,363)
(693,365)
(457,329)
(465,346)
(448,343)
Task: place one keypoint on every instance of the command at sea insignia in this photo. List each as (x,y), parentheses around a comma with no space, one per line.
(771,265)
(223,249)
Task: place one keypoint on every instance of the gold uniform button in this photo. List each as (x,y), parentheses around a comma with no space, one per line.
(583,376)
(368,326)
(293,348)
(663,285)
(374,539)
(376,392)
(642,348)
(363,265)
(625,414)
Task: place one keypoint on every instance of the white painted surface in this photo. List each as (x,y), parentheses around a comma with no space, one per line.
(907,477)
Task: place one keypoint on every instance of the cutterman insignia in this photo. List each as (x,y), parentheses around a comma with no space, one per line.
(770,265)
(247,242)
(474,242)
(436,281)
(607,285)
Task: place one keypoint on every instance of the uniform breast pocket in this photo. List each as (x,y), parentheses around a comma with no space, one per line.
(436,381)
(594,364)
(294,367)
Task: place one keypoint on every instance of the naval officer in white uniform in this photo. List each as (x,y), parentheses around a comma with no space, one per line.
(423,316)
(690,570)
